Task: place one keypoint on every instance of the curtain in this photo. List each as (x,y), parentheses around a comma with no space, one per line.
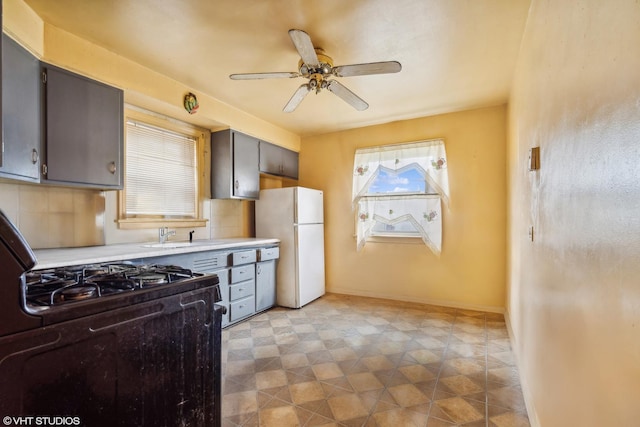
(422,211)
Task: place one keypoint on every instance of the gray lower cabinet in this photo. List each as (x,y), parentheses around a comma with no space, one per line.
(21,118)
(247,277)
(276,160)
(266,277)
(84,131)
(214,262)
(265,285)
(234,166)
(242,288)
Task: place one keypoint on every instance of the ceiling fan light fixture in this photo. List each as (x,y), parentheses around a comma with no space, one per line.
(316,66)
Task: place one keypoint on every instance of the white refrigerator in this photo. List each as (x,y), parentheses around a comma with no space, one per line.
(295,216)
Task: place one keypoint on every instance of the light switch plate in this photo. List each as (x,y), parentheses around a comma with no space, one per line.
(534,158)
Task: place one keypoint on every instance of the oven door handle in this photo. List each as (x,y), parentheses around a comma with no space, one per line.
(120,317)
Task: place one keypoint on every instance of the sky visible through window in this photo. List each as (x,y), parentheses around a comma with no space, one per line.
(410,181)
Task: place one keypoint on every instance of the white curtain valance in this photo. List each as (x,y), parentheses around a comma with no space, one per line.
(428,156)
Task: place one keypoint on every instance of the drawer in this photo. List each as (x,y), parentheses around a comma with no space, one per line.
(242,308)
(242,290)
(267,254)
(242,273)
(243,257)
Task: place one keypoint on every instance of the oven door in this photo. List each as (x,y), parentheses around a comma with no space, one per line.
(153,364)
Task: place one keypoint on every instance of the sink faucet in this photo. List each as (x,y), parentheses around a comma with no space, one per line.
(164,233)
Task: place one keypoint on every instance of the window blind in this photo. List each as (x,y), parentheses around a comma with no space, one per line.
(161,173)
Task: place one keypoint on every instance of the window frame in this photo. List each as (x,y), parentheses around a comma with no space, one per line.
(172,125)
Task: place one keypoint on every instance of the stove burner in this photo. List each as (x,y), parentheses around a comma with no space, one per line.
(94,270)
(78,293)
(150,279)
(112,284)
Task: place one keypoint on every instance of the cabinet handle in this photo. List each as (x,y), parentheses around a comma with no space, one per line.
(34,156)
(112,167)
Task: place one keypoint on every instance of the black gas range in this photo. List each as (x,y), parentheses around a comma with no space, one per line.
(108,344)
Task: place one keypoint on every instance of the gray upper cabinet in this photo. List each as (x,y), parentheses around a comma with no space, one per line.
(21,114)
(234,166)
(277,160)
(84,131)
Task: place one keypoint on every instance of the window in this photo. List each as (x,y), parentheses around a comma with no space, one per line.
(397,191)
(161,175)
(410,181)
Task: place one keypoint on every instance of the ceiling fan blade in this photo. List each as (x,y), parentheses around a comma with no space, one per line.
(349,97)
(366,69)
(304,46)
(254,76)
(297,98)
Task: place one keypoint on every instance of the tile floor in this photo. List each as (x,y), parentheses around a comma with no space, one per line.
(355,361)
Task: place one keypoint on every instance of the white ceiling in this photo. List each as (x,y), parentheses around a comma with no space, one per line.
(455,54)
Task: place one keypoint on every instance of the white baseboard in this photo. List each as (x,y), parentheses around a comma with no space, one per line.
(395,297)
(528,398)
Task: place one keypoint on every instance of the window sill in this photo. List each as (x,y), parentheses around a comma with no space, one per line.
(140,223)
(401,240)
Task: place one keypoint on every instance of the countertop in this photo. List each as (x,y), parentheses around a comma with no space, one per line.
(51,258)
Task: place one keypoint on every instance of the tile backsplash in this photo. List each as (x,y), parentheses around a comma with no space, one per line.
(52,217)
(58,217)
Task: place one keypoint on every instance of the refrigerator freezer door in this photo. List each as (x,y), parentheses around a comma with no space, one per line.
(310,262)
(309,208)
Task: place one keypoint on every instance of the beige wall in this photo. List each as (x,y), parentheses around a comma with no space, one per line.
(574,292)
(471,269)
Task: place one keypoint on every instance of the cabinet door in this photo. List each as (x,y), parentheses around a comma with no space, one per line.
(289,163)
(246,177)
(84,136)
(265,285)
(21,120)
(270,158)
(277,160)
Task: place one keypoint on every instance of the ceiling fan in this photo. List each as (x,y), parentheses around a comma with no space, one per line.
(317,66)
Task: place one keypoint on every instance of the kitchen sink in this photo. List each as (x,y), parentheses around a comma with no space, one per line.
(167,245)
